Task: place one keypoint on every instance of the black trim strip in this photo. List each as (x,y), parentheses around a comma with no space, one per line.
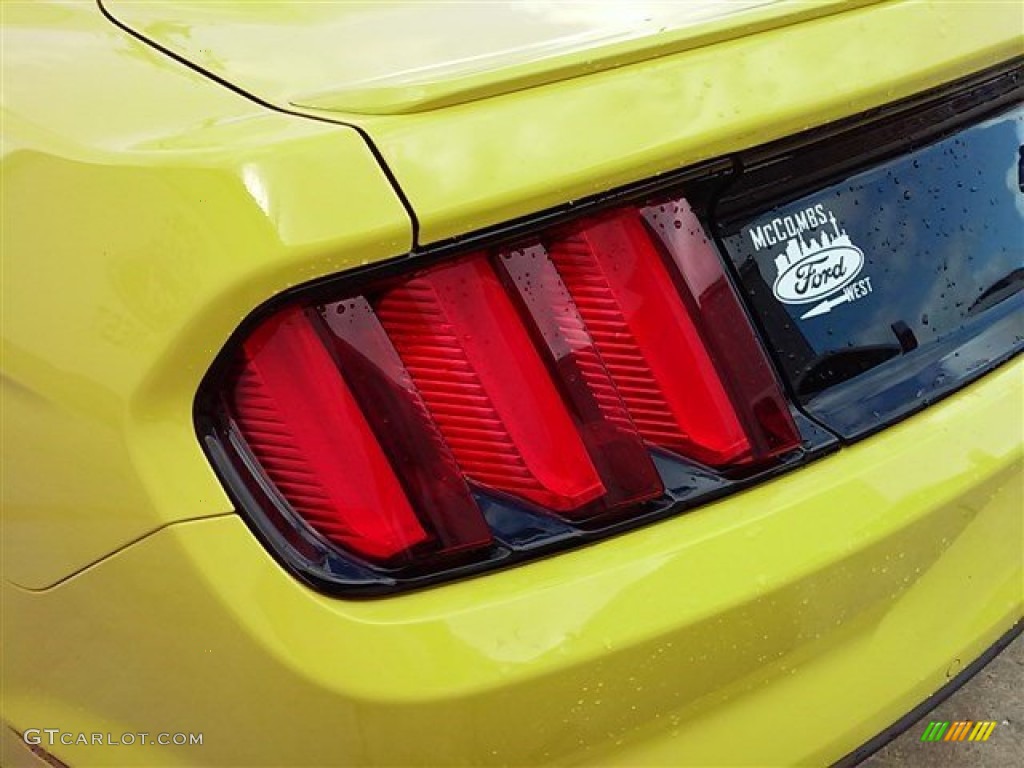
(867,749)
(774,174)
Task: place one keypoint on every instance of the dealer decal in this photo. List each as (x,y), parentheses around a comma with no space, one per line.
(815,261)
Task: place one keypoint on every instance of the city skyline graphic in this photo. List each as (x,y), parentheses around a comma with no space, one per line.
(797,248)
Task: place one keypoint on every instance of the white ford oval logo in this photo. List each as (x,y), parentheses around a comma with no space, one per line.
(819,274)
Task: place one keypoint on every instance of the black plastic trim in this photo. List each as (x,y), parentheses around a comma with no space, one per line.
(782,171)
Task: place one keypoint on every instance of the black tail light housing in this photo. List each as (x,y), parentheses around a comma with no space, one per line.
(484,403)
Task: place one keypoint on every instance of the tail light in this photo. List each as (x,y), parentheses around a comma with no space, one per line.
(486,386)
(649,334)
(404,430)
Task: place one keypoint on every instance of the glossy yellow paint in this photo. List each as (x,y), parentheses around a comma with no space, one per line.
(710,90)
(147,210)
(481,164)
(782,626)
(440,53)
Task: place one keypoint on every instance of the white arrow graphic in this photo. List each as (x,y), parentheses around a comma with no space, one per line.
(825,306)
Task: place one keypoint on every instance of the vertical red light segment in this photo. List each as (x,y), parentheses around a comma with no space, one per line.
(728,335)
(398,416)
(615,447)
(462,341)
(647,338)
(307,431)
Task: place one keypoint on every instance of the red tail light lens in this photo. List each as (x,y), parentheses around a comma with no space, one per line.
(743,370)
(486,386)
(649,339)
(601,419)
(312,439)
(505,400)
(403,427)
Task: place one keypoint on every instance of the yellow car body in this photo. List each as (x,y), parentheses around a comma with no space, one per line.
(148,209)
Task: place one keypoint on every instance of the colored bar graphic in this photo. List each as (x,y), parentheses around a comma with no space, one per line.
(934,731)
(958,730)
(982,731)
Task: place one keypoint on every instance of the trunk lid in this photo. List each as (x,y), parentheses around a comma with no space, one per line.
(397,57)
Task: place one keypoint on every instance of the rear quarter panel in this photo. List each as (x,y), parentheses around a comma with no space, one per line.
(146,210)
